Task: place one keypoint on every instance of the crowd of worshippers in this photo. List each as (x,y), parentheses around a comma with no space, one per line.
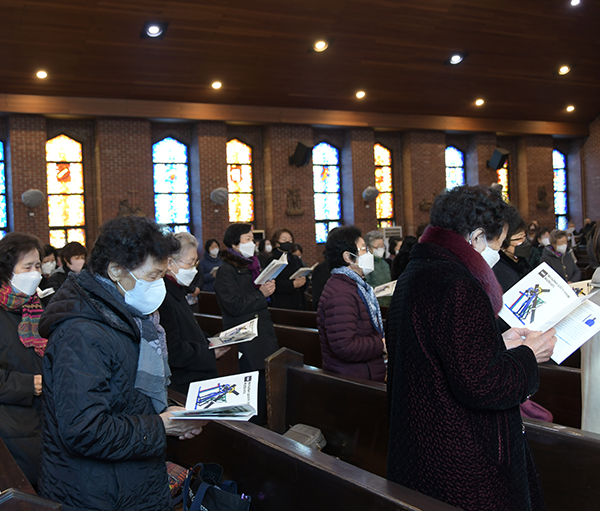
(92,340)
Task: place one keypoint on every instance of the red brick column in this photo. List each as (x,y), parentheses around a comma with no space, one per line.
(591,171)
(480,148)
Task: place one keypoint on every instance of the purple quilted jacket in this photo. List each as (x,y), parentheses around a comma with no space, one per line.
(350,345)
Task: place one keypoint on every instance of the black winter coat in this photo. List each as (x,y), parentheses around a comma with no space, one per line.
(103,444)
(286,296)
(190,359)
(19,408)
(240,301)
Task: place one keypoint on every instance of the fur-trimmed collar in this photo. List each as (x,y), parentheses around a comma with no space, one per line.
(461,248)
(237,262)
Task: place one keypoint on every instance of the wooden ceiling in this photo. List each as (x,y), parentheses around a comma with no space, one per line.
(395,50)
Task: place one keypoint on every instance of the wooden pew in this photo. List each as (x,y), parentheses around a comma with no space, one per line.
(305,319)
(560,392)
(281,474)
(353,417)
(16,493)
(207,303)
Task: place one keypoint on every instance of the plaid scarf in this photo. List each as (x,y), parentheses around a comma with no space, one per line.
(31,309)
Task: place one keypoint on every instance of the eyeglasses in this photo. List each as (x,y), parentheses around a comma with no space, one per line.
(191,265)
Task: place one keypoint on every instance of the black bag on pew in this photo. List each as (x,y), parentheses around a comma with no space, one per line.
(204,491)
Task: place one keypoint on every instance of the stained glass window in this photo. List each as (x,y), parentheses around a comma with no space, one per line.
(3,210)
(64,182)
(326,187)
(455,167)
(384,204)
(559,163)
(239,181)
(171,184)
(502,174)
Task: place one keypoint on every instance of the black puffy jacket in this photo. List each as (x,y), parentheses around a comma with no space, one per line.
(103,444)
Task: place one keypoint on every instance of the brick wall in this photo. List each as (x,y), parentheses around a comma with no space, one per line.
(480,148)
(591,171)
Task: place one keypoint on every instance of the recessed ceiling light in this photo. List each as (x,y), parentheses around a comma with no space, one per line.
(570,108)
(320,46)
(564,70)
(41,74)
(360,94)
(216,85)
(154,29)
(575,2)
(457,58)
(479,102)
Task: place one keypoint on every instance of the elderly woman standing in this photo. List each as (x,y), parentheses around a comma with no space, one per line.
(105,374)
(560,258)
(348,316)
(21,350)
(454,382)
(381,273)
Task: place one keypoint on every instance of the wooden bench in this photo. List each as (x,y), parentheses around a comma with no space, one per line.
(281,474)
(560,392)
(305,319)
(353,417)
(208,304)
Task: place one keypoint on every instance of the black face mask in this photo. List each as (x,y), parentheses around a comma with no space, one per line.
(286,246)
(523,250)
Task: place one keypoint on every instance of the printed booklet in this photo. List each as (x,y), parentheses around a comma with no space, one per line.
(240,333)
(303,272)
(274,268)
(233,398)
(386,289)
(542,300)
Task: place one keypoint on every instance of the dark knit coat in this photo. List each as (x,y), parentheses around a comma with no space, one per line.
(509,272)
(454,389)
(241,301)
(350,345)
(286,296)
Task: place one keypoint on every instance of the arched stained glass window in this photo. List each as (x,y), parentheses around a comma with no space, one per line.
(326,187)
(239,181)
(171,184)
(384,204)
(502,174)
(66,204)
(455,167)
(559,163)
(3,208)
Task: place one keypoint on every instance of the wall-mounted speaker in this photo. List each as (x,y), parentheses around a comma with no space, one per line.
(301,155)
(499,158)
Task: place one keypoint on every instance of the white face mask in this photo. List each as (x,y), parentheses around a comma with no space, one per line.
(561,249)
(26,283)
(145,296)
(48,268)
(268,248)
(185,277)
(365,262)
(76,265)
(247,249)
(214,252)
(545,241)
(379,252)
(490,255)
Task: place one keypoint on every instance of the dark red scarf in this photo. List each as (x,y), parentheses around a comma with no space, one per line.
(453,242)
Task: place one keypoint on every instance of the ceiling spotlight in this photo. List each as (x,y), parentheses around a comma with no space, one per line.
(575,2)
(456,59)
(564,70)
(320,46)
(479,102)
(570,108)
(216,85)
(154,30)
(360,94)
(41,74)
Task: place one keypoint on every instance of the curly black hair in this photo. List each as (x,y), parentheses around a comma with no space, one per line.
(466,208)
(340,240)
(12,248)
(233,233)
(209,242)
(128,241)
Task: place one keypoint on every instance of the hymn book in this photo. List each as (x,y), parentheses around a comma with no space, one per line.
(303,272)
(243,332)
(273,269)
(542,300)
(233,398)
(386,289)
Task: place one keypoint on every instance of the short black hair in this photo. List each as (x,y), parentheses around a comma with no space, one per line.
(277,234)
(262,243)
(128,241)
(466,208)
(407,245)
(297,247)
(50,250)
(12,248)
(209,243)
(71,250)
(392,242)
(340,240)
(234,232)
(515,224)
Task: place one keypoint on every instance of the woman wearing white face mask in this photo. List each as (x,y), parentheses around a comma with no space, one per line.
(48,264)
(73,255)
(560,258)
(106,374)
(454,381)
(241,300)
(348,315)
(21,350)
(210,264)
(381,273)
